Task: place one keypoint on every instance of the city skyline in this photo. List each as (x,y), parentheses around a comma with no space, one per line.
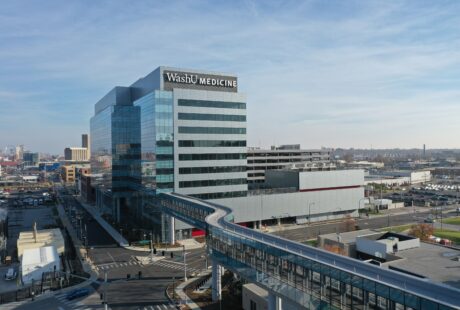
(360,75)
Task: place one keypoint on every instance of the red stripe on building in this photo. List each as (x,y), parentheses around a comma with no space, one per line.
(328,188)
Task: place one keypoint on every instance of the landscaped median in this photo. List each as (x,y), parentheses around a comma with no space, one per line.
(452,235)
(452,220)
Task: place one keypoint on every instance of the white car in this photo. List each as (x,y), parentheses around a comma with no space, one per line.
(11,274)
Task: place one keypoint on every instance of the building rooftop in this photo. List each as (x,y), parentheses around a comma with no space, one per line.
(45,237)
(433,261)
(350,237)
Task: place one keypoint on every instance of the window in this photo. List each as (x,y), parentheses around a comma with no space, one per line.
(212,143)
(211,104)
(194,170)
(212,117)
(212,130)
(206,183)
(212,156)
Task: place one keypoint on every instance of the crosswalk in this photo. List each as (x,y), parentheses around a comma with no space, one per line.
(174,265)
(117,265)
(162,263)
(73,304)
(158,307)
(78,305)
(12,305)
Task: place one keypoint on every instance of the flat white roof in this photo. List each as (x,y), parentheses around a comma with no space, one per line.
(38,257)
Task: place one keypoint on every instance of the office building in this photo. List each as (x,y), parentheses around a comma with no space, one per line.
(279,157)
(85,142)
(179,130)
(30,158)
(76,154)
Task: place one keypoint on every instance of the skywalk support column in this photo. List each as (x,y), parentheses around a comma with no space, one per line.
(172,230)
(274,302)
(216,281)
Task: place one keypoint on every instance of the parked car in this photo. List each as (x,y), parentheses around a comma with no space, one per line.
(11,274)
(429,220)
(77,293)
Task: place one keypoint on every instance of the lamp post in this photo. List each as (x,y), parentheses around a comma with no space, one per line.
(151,247)
(359,205)
(185,264)
(309,212)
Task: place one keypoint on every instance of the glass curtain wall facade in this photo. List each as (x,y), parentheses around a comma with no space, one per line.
(157,156)
(115,148)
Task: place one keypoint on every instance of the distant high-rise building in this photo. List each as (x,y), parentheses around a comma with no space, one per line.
(424,151)
(30,158)
(85,143)
(76,153)
(19,152)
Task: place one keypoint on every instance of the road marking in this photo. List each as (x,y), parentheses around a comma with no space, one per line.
(164,306)
(111,256)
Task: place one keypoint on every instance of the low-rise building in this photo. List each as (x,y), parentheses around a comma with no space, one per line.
(398,252)
(41,238)
(37,261)
(254,297)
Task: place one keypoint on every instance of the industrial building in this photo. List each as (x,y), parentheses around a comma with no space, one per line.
(300,196)
(279,157)
(398,178)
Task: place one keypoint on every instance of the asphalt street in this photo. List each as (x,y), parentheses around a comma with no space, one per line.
(148,291)
(304,233)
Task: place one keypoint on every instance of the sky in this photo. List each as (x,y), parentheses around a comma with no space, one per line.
(362,74)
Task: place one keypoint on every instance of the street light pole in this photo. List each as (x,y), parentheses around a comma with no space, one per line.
(151,247)
(309,212)
(105,291)
(185,264)
(359,206)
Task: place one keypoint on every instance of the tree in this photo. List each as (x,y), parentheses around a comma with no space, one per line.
(334,248)
(349,223)
(421,231)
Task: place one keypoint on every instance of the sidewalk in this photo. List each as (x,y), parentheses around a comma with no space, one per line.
(179,290)
(80,253)
(110,230)
(189,244)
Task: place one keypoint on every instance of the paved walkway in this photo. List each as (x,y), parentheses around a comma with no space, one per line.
(110,230)
(189,244)
(183,296)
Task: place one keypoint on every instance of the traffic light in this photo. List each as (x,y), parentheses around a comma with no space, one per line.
(101,296)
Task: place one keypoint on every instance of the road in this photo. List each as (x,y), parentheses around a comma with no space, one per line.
(309,232)
(122,293)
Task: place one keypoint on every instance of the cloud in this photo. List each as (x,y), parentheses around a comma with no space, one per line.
(310,70)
